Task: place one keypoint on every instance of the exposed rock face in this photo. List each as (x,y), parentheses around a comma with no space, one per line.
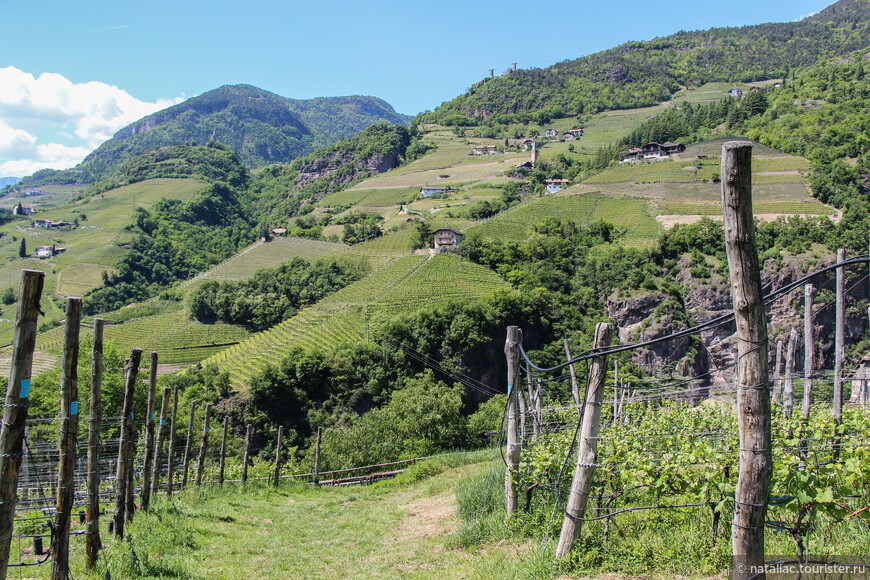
(350,170)
(645,317)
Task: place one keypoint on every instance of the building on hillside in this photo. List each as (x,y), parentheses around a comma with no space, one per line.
(572,134)
(21,209)
(860,379)
(551,133)
(652,150)
(556,185)
(58,224)
(430,190)
(42,224)
(527,144)
(735,93)
(524,165)
(279,231)
(484,150)
(44,252)
(447,238)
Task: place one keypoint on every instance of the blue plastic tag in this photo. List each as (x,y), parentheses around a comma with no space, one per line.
(74,408)
(206,430)
(509,389)
(131,415)
(152,415)
(25,388)
(162,422)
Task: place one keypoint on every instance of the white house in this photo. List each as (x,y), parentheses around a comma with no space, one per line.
(556,185)
(484,150)
(550,133)
(430,190)
(42,224)
(447,238)
(44,252)
(572,134)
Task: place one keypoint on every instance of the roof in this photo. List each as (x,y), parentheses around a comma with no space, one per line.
(434,187)
(557,181)
(448,229)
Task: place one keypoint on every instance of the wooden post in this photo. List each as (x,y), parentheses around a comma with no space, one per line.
(777,375)
(149,434)
(203,446)
(587,455)
(95,418)
(278,455)
(615,389)
(131,370)
(187,445)
(15,409)
(131,472)
(840,338)
(522,409)
(539,404)
(317,456)
(809,342)
(575,387)
(514,443)
(161,438)
(170,468)
(788,393)
(753,401)
(223,452)
(247,453)
(69,430)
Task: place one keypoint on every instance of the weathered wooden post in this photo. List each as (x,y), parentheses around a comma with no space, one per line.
(575,387)
(223,452)
(69,430)
(149,433)
(753,401)
(95,418)
(809,342)
(121,478)
(203,446)
(514,444)
(187,445)
(840,338)
(317,456)
(15,408)
(615,389)
(587,455)
(522,409)
(777,375)
(170,468)
(788,393)
(247,453)
(278,455)
(161,438)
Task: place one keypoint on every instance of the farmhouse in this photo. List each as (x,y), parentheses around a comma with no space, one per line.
(446,238)
(556,185)
(525,165)
(21,209)
(572,134)
(527,144)
(735,93)
(652,150)
(485,150)
(44,252)
(550,133)
(430,190)
(42,224)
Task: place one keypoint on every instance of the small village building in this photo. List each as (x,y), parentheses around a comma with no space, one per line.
(44,252)
(735,93)
(447,238)
(279,231)
(42,224)
(556,185)
(527,164)
(550,133)
(572,134)
(430,190)
(484,150)
(527,144)
(21,209)
(652,150)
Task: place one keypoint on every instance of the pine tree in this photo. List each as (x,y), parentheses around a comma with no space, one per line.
(22,249)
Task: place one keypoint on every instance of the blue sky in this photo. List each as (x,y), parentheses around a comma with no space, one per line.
(71,74)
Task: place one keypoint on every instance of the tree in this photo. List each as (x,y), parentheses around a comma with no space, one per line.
(22,249)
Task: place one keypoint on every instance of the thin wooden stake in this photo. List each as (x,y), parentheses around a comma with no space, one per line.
(615,389)
(777,375)
(121,479)
(69,430)
(788,393)
(203,446)
(160,439)
(840,338)
(247,454)
(575,387)
(539,408)
(753,400)
(15,409)
(278,455)
(149,433)
(223,452)
(317,456)
(170,470)
(587,456)
(809,342)
(95,418)
(514,442)
(187,445)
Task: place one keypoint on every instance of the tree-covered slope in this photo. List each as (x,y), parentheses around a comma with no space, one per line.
(263,127)
(638,74)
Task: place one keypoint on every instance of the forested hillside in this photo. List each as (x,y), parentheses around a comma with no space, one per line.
(638,74)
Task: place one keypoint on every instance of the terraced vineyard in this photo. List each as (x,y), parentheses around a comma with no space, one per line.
(404,284)
(514,224)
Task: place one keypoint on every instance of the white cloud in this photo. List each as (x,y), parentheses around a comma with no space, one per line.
(94,111)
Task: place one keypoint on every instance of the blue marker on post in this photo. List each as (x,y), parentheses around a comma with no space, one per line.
(25,389)
(74,408)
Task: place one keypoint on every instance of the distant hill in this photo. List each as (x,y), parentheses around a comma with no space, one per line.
(638,74)
(4,181)
(264,128)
